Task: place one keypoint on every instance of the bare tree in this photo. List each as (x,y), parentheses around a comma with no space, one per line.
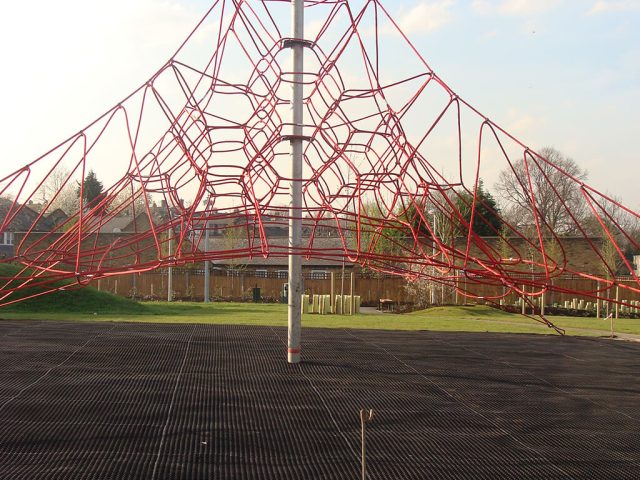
(130,203)
(546,186)
(59,191)
(620,233)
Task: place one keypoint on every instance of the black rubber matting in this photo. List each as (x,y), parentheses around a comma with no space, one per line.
(140,401)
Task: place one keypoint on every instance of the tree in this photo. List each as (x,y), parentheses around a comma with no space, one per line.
(554,191)
(486,219)
(382,234)
(57,192)
(618,229)
(128,203)
(92,190)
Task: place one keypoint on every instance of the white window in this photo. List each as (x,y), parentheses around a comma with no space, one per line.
(7,238)
(319,274)
(261,273)
(283,273)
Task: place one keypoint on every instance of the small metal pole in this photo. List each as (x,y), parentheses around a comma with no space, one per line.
(351,299)
(365,417)
(542,302)
(524,311)
(464,299)
(433,256)
(333,296)
(342,290)
(598,302)
(617,310)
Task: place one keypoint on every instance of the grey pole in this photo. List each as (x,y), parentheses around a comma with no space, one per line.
(295,209)
(206,263)
(433,256)
(170,274)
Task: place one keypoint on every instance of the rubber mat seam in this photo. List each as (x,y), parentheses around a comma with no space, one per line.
(465,405)
(171,405)
(324,403)
(46,374)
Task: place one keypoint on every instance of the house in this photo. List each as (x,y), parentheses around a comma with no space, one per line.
(18,220)
(243,242)
(269,257)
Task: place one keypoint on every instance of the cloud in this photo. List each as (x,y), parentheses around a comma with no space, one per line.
(426,17)
(514,7)
(523,124)
(482,6)
(490,34)
(525,7)
(604,6)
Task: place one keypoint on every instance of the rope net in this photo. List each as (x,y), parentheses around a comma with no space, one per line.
(392,178)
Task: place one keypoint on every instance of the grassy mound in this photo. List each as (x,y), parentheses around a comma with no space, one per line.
(71,300)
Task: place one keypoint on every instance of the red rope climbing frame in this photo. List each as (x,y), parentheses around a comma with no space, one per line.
(206,139)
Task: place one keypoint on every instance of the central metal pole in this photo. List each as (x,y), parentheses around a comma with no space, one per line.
(295,209)
(170,273)
(206,263)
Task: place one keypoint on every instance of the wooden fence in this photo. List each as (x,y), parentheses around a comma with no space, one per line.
(189,285)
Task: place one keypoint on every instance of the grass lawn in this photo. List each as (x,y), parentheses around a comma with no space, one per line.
(467,318)
(89,304)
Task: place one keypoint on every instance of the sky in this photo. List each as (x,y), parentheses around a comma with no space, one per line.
(560,73)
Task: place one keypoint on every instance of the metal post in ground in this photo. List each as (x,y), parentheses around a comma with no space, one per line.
(342,289)
(352,302)
(333,293)
(617,309)
(295,209)
(433,257)
(365,417)
(598,302)
(464,298)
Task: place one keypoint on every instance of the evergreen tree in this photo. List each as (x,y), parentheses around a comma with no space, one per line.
(486,220)
(92,190)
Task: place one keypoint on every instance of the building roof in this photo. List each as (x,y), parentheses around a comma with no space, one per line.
(116,224)
(324,252)
(23,218)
